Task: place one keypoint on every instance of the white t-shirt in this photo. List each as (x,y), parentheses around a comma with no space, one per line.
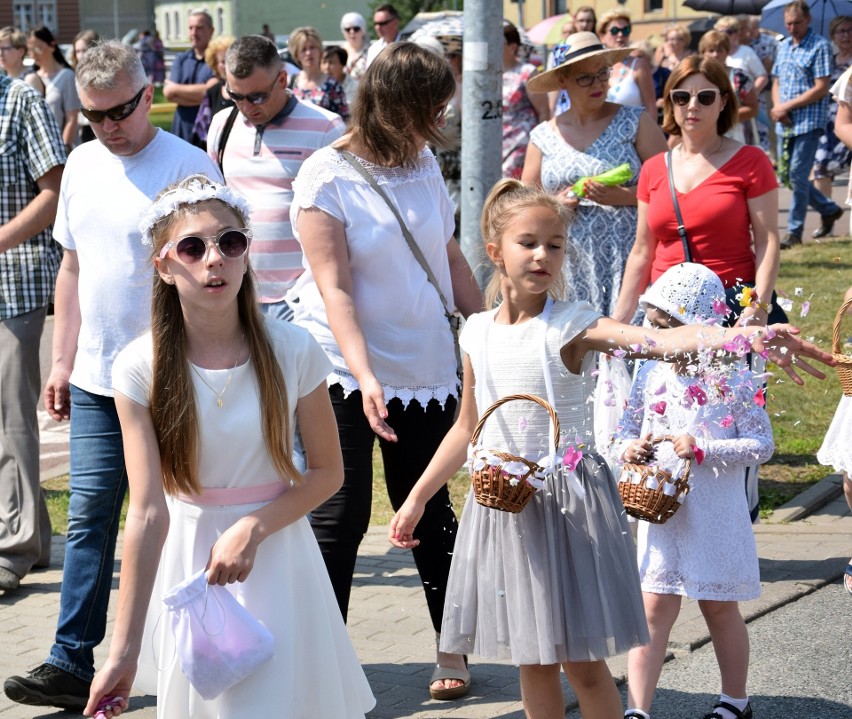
(399,311)
(746,59)
(101,199)
(238,423)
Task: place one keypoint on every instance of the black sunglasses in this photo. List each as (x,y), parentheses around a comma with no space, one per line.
(620,31)
(681,98)
(384,22)
(231,244)
(255,98)
(352,29)
(117,113)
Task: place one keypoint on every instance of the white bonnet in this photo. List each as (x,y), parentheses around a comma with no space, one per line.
(353,19)
(688,292)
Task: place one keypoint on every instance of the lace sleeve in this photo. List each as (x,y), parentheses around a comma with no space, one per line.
(753,444)
(630,426)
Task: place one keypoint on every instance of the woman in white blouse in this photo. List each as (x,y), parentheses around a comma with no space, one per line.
(368,302)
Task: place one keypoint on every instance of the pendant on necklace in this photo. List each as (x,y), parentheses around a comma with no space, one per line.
(219,402)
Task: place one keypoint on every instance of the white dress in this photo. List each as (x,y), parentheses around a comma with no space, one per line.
(707,549)
(836,450)
(315,672)
(557,581)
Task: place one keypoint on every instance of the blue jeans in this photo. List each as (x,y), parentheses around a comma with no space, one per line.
(802,152)
(98,486)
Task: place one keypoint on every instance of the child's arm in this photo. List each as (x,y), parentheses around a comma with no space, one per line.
(145,530)
(627,445)
(232,556)
(782,344)
(451,455)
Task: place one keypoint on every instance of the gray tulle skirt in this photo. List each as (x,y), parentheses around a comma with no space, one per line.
(556,582)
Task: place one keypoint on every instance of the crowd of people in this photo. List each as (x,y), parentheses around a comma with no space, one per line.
(256,325)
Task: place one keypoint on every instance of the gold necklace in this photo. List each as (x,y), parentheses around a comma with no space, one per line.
(219,402)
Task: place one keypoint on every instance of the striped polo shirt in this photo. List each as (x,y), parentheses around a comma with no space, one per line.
(262,169)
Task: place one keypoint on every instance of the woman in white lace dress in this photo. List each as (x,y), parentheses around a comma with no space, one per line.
(591,137)
(706,551)
(380,320)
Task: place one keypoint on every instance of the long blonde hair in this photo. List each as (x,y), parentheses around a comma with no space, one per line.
(508,199)
(173,409)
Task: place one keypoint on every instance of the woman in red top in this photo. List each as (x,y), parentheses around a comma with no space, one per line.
(727,193)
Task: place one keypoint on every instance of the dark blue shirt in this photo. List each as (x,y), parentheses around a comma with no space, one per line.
(187,70)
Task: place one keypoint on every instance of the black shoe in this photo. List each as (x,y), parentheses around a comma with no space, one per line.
(48,686)
(824,230)
(789,240)
(744,714)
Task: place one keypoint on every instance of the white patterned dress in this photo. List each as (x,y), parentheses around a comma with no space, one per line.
(600,236)
(707,549)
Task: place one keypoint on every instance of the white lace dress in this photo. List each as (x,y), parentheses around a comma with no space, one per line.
(836,450)
(399,311)
(601,236)
(707,549)
(557,581)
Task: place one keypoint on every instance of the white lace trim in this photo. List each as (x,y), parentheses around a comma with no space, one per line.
(330,167)
(421,395)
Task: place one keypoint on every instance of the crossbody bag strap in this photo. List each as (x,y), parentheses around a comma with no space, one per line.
(413,246)
(681,229)
(223,138)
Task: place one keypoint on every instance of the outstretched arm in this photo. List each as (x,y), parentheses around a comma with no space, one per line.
(451,454)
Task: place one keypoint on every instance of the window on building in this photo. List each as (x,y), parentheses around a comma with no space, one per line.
(168,26)
(651,5)
(24,14)
(220,21)
(177,24)
(47,14)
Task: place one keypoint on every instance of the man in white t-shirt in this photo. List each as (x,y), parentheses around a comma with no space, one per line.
(386,23)
(103,293)
(266,142)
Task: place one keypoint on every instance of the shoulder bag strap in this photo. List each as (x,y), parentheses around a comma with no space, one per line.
(681,229)
(223,138)
(413,246)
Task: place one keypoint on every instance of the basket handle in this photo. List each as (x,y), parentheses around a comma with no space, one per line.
(554,420)
(670,438)
(835,337)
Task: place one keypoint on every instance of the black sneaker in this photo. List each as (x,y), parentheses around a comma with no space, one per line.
(789,240)
(827,224)
(48,686)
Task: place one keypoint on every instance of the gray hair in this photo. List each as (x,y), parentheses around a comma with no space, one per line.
(250,52)
(201,11)
(109,65)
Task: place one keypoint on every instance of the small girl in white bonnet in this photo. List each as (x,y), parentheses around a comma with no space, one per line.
(714,414)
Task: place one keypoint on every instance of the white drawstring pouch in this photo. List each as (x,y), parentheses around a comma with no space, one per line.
(219,643)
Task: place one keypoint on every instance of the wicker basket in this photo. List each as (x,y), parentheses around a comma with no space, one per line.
(492,487)
(650,493)
(844,362)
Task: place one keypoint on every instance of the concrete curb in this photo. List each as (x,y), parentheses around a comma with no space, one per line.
(813,498)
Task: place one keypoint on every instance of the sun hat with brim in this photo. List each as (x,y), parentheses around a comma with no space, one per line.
(689,292)
(578,47)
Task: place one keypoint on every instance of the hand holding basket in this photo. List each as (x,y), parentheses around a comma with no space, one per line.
(502,480)
(651,493)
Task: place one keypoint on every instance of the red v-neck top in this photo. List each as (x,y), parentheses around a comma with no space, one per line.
(715,214)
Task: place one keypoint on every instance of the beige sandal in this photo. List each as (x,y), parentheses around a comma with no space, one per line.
(448,673)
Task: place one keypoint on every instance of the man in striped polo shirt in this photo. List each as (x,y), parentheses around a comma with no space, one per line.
(260,146)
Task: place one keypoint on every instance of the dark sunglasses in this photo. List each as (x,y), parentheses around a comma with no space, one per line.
(255,98)
(681,98)
(117,113)
(231,244)
(384,22)
(614,31)
(352,29)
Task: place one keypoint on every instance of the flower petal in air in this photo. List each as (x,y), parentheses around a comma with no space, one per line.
(659,407)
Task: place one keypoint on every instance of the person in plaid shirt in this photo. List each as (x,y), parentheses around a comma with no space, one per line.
(800,80)
(32,156)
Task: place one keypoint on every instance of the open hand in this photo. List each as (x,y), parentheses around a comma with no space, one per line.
(786,349)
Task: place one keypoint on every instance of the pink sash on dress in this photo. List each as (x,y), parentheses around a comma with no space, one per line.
(237,495)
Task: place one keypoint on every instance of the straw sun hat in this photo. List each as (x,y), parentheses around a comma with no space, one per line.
(578,47)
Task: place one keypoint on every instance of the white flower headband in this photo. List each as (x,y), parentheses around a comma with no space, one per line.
(190,192)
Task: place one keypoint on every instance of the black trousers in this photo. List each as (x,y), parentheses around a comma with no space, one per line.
(341,522)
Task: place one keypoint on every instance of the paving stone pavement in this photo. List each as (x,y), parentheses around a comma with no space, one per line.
(805,547)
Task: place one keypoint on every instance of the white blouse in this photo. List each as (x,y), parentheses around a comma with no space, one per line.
(400,313)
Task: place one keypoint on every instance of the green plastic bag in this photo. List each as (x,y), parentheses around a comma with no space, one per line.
(616,176)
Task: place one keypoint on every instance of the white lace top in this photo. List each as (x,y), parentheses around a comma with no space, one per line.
(400,313)
(707,549)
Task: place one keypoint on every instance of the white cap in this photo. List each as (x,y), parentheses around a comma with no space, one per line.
(687,292)
(353,19)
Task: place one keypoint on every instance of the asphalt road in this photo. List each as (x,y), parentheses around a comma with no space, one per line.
(801,665)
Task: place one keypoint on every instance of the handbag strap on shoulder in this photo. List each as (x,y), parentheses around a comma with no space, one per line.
(681,229)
